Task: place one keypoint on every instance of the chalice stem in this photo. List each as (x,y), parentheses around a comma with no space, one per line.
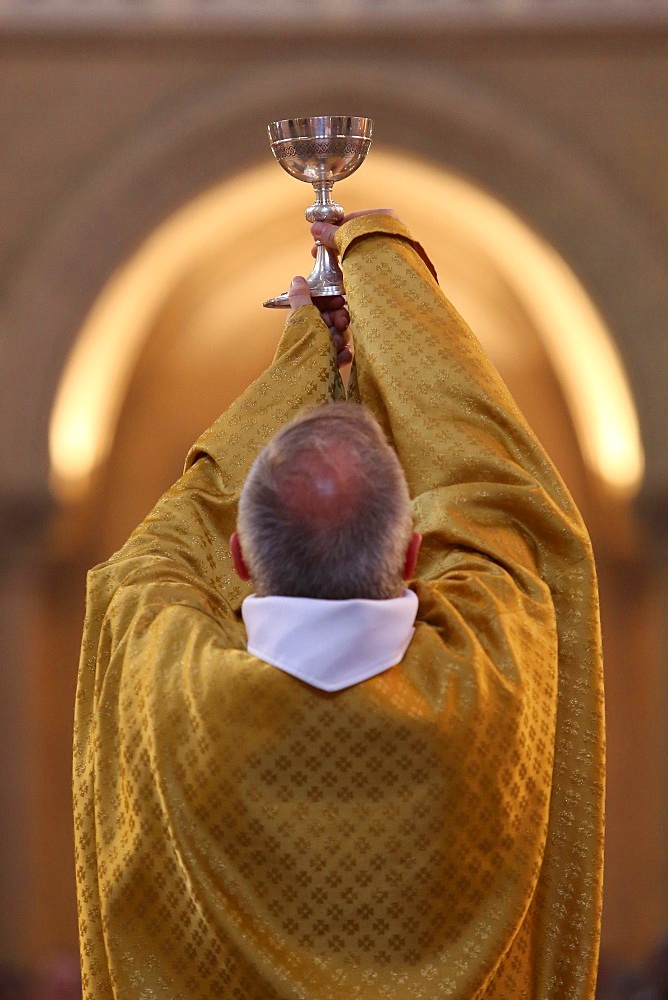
(326,276)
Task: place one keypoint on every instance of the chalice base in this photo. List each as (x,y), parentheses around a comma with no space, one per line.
(326,279)
(317,290)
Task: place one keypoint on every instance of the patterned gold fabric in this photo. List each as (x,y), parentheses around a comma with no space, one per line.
(435,831)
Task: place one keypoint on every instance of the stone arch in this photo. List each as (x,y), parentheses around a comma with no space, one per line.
(205,136)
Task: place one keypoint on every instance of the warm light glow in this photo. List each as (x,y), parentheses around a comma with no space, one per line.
(440,207)
(100,366)
(572,331)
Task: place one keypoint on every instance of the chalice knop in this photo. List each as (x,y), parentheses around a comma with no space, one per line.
(320,151)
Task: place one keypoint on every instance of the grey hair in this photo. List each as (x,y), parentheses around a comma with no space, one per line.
(325,510)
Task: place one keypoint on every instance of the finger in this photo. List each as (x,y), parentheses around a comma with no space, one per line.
(329,302)
(340,341)
(335,317)
(340,324)
(325,232)
(341,319)
(299,293)
(344,357)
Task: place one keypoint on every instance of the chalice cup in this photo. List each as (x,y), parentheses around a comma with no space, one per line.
(320,151)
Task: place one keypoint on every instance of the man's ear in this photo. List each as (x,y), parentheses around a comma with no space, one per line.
(412,555)
(238,560)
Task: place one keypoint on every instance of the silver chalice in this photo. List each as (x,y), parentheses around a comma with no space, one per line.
(320,151)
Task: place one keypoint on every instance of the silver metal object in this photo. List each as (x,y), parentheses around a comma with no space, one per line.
(320,151)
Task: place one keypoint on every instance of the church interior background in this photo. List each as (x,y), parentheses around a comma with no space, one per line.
(144,221)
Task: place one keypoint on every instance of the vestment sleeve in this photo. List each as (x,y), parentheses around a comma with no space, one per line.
(506,583)
(476,473)
(179,555)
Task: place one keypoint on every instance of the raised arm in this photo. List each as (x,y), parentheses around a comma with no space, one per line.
(455,427)
(185,537)
(179,555)
(506,567)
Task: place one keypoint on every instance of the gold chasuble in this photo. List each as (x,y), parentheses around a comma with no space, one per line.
(435,831)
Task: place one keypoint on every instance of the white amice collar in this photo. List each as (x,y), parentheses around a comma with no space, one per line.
(330,644)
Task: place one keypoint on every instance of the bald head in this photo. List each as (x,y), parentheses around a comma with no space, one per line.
(325,510)
(323,483)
